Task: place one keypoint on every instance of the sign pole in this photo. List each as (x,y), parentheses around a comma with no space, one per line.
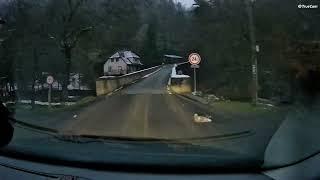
(254,51)
(194,60)
(49,82)
(195,80)
(49,95)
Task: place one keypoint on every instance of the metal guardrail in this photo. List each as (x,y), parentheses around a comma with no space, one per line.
(130,74)
(108,84)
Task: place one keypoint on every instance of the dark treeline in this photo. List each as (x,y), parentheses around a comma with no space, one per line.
(64,36)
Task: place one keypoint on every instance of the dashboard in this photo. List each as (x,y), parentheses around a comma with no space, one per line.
(20,169)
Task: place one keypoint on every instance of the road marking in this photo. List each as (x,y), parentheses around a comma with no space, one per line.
(169,82)
(168,90)
(133,118)
(148,75)
(181,113)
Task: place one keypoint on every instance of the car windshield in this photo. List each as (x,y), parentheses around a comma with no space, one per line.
(218,83)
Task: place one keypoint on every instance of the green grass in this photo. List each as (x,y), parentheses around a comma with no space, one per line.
(84,102)
(244,108)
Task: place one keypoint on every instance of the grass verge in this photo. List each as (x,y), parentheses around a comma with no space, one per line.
(242,108)
(43,110)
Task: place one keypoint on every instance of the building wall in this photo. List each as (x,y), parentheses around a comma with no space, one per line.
(115,67)
(133,68)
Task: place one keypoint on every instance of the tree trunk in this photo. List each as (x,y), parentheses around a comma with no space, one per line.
(67,56)
(34,77)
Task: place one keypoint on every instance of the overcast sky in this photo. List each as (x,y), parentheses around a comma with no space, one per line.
(187,3)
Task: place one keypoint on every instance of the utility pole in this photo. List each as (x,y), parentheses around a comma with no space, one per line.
(2,22)
(254,51)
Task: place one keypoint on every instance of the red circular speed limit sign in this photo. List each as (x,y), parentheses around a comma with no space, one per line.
(194,59)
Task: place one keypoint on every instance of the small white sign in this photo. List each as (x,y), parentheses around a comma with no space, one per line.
(194,59)
(195,66)
(257,48)
(50,80)
(254,69)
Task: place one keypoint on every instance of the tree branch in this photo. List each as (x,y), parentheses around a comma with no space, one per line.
(78,34)
(73,8)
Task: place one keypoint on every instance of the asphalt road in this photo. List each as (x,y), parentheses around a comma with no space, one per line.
(147,109)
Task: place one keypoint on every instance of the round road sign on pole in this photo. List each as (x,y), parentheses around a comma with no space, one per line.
(50,80)
(194,59)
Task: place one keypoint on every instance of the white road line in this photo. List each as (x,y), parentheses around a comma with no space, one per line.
(148,75)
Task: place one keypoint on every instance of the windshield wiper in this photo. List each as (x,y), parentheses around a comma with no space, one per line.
(95,138)
(103,139)
(32,126)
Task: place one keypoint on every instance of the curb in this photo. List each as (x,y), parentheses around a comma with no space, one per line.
(194,98)
(202,104)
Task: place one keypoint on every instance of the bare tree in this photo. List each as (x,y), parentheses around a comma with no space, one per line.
(69,38)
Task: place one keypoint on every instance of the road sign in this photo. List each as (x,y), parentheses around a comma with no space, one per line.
(50,80)
(194,58)
(195,66)
(257,48)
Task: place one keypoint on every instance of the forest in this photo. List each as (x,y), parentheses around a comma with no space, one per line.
(60,37)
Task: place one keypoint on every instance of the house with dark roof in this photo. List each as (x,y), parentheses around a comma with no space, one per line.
(122,62)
